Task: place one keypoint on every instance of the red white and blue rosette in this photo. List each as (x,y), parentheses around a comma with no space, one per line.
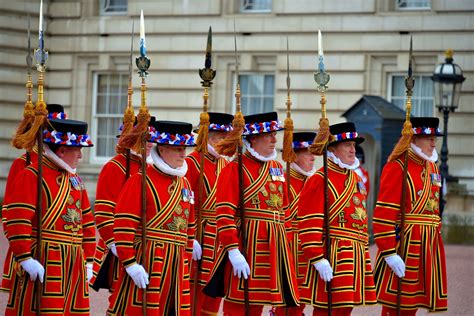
(66,139)
(171,139)
(262,127)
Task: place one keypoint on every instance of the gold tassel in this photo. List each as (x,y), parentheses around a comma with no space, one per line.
(228,146)
(288,152)
(27,140)
(322,138)
(133,140)
(25,124)
(128,120)
(28,115)
(404,141)
(203,133)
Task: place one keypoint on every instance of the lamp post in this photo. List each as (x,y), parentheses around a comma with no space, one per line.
(447,79)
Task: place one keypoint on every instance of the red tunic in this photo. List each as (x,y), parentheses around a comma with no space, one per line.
(68,236)
(18,164)
(111,180)
(424,284)
(297,181)
(353,282)
(272,277)
(208,238)
(170,235)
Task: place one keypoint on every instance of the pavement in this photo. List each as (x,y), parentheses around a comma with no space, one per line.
(460,283)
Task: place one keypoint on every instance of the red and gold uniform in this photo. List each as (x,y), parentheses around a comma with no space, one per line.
(170,235)
(272,277)
(297,182)
(111,180)
(68,241)
(353,282)
(424,284)
(17,166)
(208,238)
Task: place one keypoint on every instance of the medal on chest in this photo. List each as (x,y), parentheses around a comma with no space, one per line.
(436,179)
(187,196)
(76,182)
(362,188)
(277,174)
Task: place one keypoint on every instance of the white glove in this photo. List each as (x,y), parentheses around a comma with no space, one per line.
(33,268)
(197,251)
(138,275)
(113,249)
(324,269)
(240,265)
(89,271)
(396,264)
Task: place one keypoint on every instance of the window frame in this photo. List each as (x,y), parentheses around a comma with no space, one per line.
(246,73)
(390,95)
(95,116)
(241,9)
(398,8)
(103,12)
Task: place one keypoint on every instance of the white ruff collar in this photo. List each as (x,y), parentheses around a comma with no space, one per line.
(212,151)
(421,154)
(58,161)
(298,169)
(338,161)
(164,167)
(257,155)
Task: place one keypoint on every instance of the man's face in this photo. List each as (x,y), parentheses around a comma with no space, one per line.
(173,155)
(427,143)
(345,151)
(148,147)
(305,159)
(264,144)
(214,137)
(70,155)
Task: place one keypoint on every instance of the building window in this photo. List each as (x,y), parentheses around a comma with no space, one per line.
(255,6)
(257,93)
(413,4)
(422,98)
(113,7)
(110,99)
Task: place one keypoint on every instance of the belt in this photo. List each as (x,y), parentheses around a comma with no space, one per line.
(336,233)
(208,214)
(422,219)
(264,215)
(61,237)
(166,236)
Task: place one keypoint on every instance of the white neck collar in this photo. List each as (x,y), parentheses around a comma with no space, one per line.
(58,161)
(256,155)
(420,153)
(338,161)
(298,169)
(213,151)
(164,167)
